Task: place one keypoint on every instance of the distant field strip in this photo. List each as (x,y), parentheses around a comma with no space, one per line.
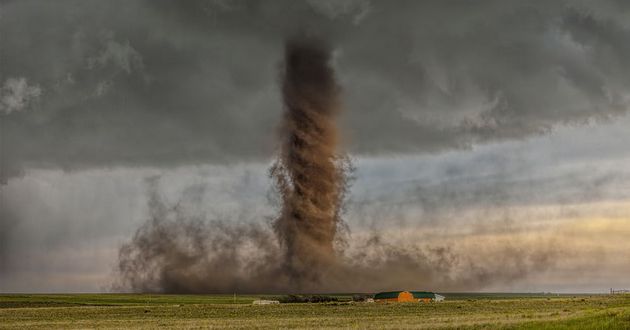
(226,311)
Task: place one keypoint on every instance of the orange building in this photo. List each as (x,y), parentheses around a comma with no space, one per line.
(407,296)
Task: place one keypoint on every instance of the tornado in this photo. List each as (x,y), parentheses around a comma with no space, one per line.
(309,173)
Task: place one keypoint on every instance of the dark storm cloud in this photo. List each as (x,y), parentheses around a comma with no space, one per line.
(7,222)
(165,83)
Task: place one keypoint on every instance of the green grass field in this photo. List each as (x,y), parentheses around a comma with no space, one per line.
(474,311)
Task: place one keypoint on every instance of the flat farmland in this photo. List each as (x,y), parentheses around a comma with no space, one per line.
(462,311)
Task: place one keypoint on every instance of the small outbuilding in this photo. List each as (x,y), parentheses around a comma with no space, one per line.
(266,302)
(407,296)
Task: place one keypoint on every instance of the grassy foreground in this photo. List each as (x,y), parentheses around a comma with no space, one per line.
(223,311)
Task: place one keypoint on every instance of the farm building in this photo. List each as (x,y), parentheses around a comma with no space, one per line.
(266,302)
(407,296)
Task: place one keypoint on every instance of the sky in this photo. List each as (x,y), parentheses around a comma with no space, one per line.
(493,134)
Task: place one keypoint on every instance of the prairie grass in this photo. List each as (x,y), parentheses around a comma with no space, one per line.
(464,311)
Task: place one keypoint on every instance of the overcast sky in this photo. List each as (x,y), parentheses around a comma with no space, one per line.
(471,123)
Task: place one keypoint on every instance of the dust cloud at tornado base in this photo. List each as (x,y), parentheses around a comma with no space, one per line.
(178,251)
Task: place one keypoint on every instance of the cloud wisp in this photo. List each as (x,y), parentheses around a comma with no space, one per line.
(16,94)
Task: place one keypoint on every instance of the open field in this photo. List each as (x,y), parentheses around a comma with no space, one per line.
(223,311)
